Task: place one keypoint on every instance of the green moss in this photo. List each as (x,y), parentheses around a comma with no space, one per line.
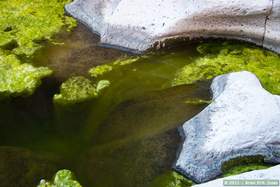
(63,178)
(123,62)
(100,70)
(171,179)
(243,164)
(223,58)
(27,22)
(19,79)
(103,69)
(24,24)
(245,168)
(79,89)
(102,85)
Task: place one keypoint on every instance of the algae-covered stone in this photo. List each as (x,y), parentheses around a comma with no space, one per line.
(79,89)
(19,79)
(171,179)
(27,22)
(63,178)
(223,58)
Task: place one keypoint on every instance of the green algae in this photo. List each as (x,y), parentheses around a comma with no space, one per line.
(63,178)
(29,22)
(79,89)
(217,59)
(245,168)
(197,101)
(101,85)
(106,68)
(171,179)
(19,79)
(24,26)
(100,70)
(243,164)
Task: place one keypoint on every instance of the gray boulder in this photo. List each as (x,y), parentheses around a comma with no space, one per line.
(271,175)
(139,24)
(243,120)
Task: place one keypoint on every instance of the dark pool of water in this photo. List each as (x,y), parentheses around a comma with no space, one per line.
(126,138)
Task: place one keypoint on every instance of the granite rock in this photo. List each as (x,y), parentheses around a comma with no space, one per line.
(138,24)
(242,120)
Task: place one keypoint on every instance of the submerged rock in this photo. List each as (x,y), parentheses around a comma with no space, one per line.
(21,167)
(271,174)
(243,120)
(138,24)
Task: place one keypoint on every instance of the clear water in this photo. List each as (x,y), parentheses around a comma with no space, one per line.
(126,138)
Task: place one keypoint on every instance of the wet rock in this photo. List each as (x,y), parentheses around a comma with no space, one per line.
(272,173)
(138,24)
(242,120)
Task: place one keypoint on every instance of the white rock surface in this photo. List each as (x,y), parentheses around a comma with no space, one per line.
(139,24)
(272,173)
(242,120)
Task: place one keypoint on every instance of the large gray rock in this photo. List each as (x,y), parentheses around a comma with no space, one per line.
(272,30)
(272,173)
(139,24)
(242,120)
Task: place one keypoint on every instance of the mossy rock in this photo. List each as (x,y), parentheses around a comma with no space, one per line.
(63,178)
(19,79)
(221,58)
(79,89)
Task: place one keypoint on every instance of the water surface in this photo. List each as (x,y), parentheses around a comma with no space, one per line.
(127,137)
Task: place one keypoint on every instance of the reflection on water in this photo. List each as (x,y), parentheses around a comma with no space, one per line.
(125,138)
(74,53)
